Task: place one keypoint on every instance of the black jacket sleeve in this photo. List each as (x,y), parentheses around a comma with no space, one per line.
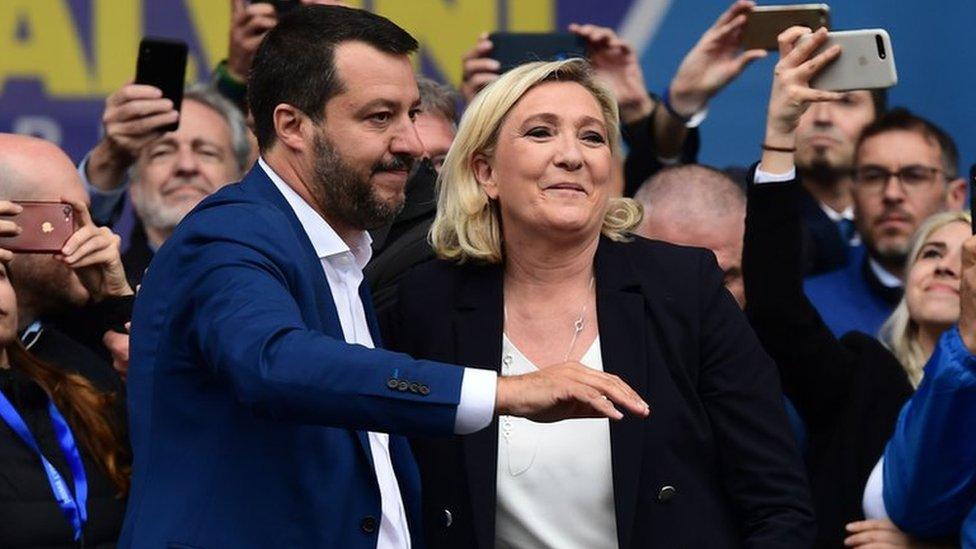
(642,162)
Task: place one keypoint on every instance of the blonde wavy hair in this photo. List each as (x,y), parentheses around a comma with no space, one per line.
(468,224)
(900,332)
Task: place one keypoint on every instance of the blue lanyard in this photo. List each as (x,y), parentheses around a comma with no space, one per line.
(73,507)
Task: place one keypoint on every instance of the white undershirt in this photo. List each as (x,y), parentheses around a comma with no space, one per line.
(873,502)
(343,267)
(554,480)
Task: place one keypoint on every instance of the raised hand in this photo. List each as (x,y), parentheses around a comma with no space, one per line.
(616,64)
(478,68)
(8,227)
(248,25)
(713,62)
(967,295)
(566,391)
(93,253)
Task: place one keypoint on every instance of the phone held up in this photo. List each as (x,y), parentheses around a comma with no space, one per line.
(765,23)
(866,61)
(512,49)
(44,227)
(280,6)
(162,63)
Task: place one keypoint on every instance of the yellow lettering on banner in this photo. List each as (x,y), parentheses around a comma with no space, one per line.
(531,15)
(445,28)
(116,31)
(50,51)
(211,19)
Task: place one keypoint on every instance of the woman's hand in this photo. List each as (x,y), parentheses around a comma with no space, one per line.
(792,95)
(967,295)
(881,534)
(93,253)
(8,227)
(615,63)
(566,391)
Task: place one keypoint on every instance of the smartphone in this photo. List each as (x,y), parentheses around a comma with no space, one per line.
(44,227)
(765,23)
(162,63)
(512,49)
(280,6)
(866,61)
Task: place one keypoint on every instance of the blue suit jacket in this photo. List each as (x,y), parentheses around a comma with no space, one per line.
(846,300)
(247,409)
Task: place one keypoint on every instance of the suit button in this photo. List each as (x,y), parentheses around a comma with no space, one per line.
(368,525)
(403,386)
(392,383)
(414,387)
(666,494)
(424,390)
(448,518)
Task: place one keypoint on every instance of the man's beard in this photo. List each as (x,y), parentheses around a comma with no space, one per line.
(347,196)
(155,212)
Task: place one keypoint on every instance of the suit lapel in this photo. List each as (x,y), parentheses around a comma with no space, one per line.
(478,323)
(620,317)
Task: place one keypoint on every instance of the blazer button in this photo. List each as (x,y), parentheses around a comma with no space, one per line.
(666,494)
(392,383)
(424,390)
(403,386)
(448,518)
(368,525)
(414,387)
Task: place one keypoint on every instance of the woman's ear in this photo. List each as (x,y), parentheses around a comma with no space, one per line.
(484,174)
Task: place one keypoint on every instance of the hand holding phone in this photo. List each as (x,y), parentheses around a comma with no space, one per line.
(866,61)
(162,64)
(44,226)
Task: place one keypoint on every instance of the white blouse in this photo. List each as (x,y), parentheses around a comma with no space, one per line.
(873,502)
(554,480)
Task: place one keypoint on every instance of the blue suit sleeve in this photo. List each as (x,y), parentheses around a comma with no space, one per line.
(249,330)
(930,461)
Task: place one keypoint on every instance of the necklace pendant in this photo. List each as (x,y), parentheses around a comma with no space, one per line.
(578,325)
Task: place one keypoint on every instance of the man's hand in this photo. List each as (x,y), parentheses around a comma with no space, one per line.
(248,25)
(566,391)
(131,120)
(792,95)
(713,62)
(478,68)
(8,227)
(93,253)
(616,64)
(967,295)
(118,346)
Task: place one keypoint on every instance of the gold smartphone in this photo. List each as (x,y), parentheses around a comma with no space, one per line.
(765,23)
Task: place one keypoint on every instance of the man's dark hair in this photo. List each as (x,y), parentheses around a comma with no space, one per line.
(903,119)
(879,99)
(295,63)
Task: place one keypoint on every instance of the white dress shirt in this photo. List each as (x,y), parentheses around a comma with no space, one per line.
(343,268)
(554,480)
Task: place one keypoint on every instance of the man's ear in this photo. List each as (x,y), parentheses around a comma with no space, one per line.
(484,174)
(293,128)
(956,194)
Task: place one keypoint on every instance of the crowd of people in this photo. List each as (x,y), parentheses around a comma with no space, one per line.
(344,305)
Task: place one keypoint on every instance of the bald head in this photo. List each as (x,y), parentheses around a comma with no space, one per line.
(698,206)
(34,169)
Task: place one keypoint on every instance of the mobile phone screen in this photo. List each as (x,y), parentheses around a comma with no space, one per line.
(162,63)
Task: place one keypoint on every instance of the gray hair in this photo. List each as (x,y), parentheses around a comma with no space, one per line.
(240,145)
(438,98)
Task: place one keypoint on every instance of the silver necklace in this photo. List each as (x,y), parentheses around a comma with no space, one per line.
(578,324)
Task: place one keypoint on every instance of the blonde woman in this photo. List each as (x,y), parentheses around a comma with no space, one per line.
(847,391)
(538,268)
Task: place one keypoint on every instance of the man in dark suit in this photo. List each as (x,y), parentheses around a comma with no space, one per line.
(259,408)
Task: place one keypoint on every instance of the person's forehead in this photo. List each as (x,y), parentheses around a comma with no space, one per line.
(199,120)
(366,71)
(906,146)
(562,99)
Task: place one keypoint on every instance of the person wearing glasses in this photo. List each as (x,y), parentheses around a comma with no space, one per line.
(848,390)
(905,170)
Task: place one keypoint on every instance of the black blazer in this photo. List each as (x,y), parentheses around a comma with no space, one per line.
(848,391)
(715,465)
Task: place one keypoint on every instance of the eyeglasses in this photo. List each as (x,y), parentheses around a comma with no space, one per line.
(911,178)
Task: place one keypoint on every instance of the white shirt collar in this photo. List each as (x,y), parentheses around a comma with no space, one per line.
(324,239)
(836,216)
(887,279)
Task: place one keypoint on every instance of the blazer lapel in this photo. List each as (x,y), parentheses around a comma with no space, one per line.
(478,324)
(621,321)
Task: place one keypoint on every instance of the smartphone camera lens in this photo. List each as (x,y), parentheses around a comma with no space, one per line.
(881,48)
